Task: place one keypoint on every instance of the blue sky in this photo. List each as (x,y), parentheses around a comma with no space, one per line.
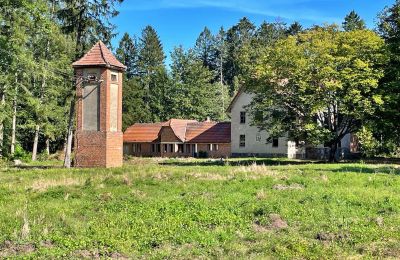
(179,22)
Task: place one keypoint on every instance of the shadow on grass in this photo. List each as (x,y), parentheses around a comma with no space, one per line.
(370,170)
(241,162)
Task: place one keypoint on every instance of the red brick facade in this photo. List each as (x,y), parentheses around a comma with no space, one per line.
(102,148)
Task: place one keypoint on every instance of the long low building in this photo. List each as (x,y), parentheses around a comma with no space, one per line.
(179,138)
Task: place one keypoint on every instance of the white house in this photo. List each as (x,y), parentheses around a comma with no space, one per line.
(248,140)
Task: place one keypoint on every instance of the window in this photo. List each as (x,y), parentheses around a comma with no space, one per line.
(188,148)
(215,147)
(209,147)
(153,148)
(165,148)
(136,148)
(158,148)
(275,142)
(258,138)
(242,141)
(171,148)
(180,148)
(114,77)
(243,117)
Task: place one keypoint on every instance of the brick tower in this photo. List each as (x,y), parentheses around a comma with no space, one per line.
(98,138)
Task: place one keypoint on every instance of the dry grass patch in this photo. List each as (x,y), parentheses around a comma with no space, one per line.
(44,184)
(293,186)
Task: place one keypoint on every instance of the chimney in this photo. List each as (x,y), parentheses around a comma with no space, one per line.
(208,119)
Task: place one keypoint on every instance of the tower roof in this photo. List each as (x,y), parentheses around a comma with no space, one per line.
(99,55)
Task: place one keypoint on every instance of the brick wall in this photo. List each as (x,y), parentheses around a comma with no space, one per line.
(99,148)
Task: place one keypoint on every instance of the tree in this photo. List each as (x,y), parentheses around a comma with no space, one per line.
(387,122)
(191,94)
(152,72)
(127,53)
(238,37)
(294,28)
(220,54)
(204,48)
(353,21)
(319,86)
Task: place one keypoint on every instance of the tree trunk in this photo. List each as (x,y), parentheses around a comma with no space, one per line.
(2,104)
(47,146)
(35,142)
(332,153)
(14,118)
(68,150)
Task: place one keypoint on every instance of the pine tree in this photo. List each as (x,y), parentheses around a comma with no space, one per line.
(127,53)
(353,21)
(204,50)
(152,72)
(294,29)
(237,37)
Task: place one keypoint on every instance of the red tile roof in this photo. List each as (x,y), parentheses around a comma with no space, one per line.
(179,127)
(99,55)
(208,132)
(145,133)
(189,131)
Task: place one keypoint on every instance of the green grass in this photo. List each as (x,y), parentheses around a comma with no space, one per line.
(201,209)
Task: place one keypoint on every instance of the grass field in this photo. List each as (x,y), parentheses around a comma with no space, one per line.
(201,209)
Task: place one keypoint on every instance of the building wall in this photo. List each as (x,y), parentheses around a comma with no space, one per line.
(224,150)
(256,140)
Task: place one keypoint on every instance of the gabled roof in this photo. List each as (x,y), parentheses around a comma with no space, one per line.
(240,91)
(189,131)
(99,55)
(208,132)
(179,127)
(145,133)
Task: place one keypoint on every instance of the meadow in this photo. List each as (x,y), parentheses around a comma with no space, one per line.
(184,209)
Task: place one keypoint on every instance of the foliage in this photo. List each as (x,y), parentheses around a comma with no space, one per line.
(181,209)
(318,86)
(353,21)
(367,141)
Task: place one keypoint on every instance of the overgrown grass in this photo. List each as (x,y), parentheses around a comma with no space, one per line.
(202,209)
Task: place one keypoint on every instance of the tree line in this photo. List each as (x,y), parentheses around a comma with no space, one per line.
(346,76)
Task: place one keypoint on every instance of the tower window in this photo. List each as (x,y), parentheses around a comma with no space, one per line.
(114,77)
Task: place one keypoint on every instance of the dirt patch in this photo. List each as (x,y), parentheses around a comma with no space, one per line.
(330,236)
(95,254)
(293,186)
(275,223)
(9,248)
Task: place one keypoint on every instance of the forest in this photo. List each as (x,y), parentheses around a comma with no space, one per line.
(349,71)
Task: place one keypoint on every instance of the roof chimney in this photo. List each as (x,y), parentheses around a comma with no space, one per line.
(208,119)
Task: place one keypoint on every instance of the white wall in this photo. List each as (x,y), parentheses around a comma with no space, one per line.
(254,146)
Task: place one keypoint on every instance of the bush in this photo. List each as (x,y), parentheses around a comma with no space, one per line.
(203,154)
(21,154)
